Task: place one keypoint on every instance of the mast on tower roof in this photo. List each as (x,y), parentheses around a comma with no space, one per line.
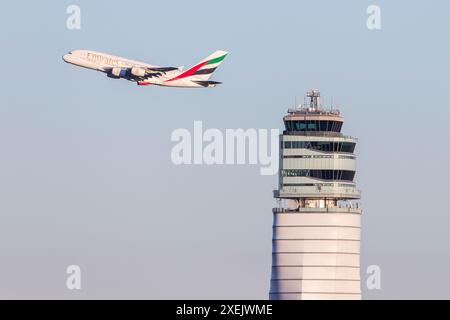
(314,96)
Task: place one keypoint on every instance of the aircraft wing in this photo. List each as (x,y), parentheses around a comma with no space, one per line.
(161,69)
(157,72)
(145,72)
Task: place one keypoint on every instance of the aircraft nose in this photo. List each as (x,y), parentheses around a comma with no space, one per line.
(66,57)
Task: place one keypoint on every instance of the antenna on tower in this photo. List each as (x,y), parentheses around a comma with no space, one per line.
(314,96)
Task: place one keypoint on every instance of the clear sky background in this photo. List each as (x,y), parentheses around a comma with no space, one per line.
(85,170)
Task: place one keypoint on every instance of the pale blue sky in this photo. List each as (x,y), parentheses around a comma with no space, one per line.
(85,170)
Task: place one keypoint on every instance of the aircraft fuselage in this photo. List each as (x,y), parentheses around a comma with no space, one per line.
(143,73)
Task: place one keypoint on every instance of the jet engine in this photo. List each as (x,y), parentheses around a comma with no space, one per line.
(118,72)
(138,72)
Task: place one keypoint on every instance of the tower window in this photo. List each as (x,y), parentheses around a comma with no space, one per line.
(313,125)
(345,175)
(327,146)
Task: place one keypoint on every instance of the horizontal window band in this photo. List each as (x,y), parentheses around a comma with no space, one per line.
(313,125)
(334,185)
(319,157)
(322,152)
(324,174)
(334,146)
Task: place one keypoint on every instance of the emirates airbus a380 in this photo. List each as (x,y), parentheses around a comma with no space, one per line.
(147,74)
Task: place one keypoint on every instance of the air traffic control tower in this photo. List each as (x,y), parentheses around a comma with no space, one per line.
(316,228)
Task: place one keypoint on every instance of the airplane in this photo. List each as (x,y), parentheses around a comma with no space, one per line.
(146,74)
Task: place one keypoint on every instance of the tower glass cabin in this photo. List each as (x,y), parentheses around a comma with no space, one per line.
(316,228)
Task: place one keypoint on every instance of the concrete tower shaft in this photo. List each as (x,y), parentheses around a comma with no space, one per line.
(316,229)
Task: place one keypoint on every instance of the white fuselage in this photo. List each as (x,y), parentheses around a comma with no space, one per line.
(107,63)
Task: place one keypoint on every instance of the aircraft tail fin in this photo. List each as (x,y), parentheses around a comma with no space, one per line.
(203,70)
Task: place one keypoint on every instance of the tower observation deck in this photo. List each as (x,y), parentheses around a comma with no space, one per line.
(316,228)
